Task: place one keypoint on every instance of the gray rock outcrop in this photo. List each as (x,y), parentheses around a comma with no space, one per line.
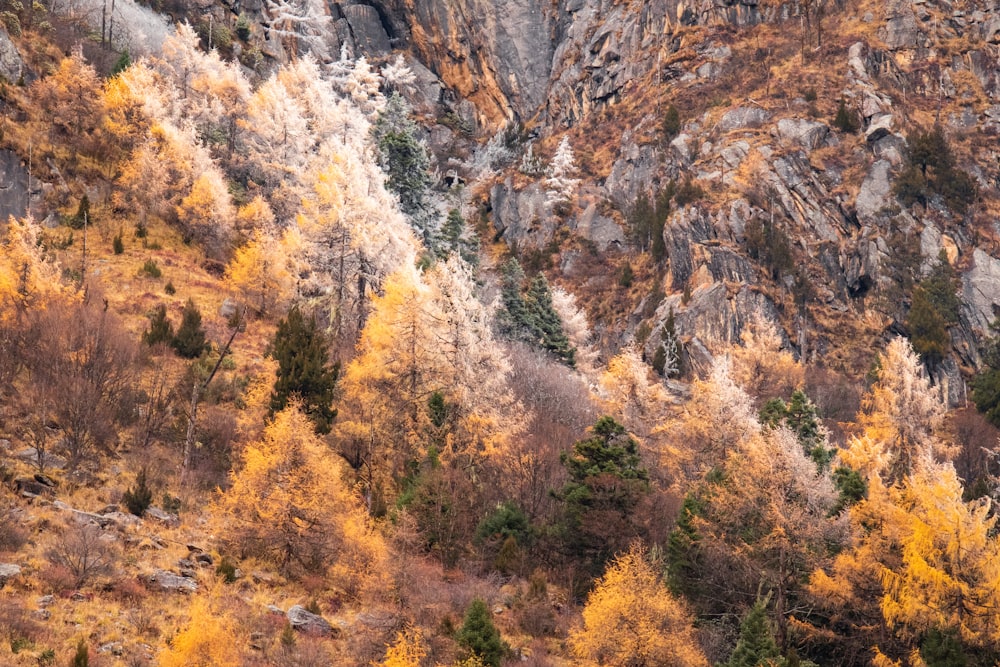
(305,621)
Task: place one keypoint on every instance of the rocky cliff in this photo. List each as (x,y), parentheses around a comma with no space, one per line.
(757,87)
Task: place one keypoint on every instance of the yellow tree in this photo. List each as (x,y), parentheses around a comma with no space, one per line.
(950,576)
(407,650)
(632,620)
(259,272)
(386,387)
(206,213)
(288,504)
(70,98)
(900,415)
(207,641)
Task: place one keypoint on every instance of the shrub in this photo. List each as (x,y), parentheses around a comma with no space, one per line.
(226,569)
(845,120)
(117,245)
(671,125)
(138,498)
(150,269)
(161,330)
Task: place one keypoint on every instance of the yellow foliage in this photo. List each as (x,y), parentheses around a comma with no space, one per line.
(950,576)
(206,642)
(288,504)
(259,272)
(631,619)
(761,367)
(406,651)
(28,278)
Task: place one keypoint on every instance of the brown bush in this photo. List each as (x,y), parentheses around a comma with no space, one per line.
(83,553)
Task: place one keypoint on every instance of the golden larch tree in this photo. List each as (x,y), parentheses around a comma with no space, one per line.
(632,620)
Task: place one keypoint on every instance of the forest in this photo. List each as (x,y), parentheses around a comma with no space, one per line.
(274,393)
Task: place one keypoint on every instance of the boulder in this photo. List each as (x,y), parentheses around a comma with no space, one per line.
(604,232)
(172,583)
(743,118)
(164,518)
(809,134)
(305,621)
(8,571)
(879,126)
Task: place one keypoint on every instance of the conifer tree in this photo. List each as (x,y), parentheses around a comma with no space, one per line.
(756,644)
(190,339)
(303,370)
(480,637)
(161,330)
(606,482)
(544,321)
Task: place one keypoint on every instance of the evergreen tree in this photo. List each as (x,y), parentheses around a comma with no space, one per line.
(986,384)
(82,656)
(756,644)
(544,321)
(606,483)
(161,330)
(514,314)
(480,637)
(456,240)
(404,158)
(190,339)
(928,332)
(683,561)
(138,498)
(942,649)
(845,120)
(303,370)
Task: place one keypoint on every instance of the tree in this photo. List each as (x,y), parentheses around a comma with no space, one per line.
(190,340)
(986,384)
(259,271)
(206,213)
(900,415)
(205,642)
(560,186)
(631,620)
(404,158)
(950,576)
(406,651)
(70,99)
(756,644)
(928,332)
(287,503)
(606,482)
(160,330)
(138,498)
(304,372)
(480,637)
(544,321)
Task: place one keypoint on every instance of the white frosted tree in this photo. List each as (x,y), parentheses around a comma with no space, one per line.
(397,75)
(560,185)
(901,415)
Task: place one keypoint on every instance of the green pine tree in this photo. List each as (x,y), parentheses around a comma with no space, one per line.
(606,482)
(303,370)
(138,498)
(756,646)
(480,637)
(544,321)
(161,330)
(683,561)
(943,649)
(190,339)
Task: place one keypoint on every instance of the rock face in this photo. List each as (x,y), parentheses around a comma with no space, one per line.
(305,621)
(11,65)
(14,190)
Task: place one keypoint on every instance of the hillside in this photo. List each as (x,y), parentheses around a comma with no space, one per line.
(464,332)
